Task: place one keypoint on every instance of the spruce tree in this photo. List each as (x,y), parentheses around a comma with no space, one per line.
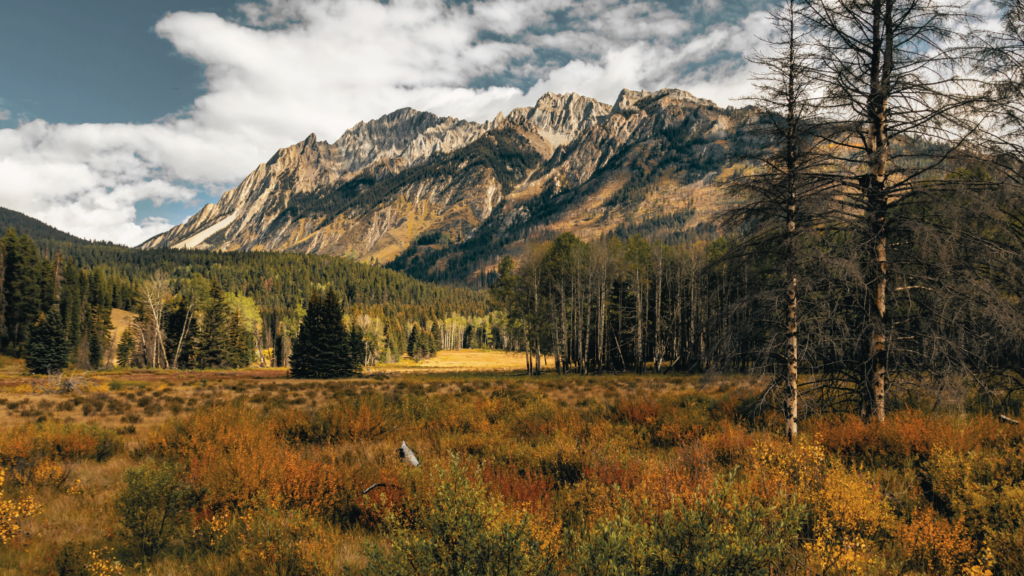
(48,347)
(356,351)
(435,333)
(241,343)
(322,348)
(3,301)
(21,288)
(126,349)
(214,349)
(306,348)
(335,361)
(95,349)
(414,342)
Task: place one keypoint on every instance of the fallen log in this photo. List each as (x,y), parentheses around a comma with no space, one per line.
(1008,420)
(381,485)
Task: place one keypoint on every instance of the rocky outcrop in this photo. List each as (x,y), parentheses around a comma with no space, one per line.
(560,118)
(635,100)
(249,208)
(407,134)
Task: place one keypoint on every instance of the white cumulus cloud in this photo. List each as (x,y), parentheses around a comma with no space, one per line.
(293,67)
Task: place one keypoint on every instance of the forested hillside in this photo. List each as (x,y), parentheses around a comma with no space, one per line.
(179,298)
(33,228)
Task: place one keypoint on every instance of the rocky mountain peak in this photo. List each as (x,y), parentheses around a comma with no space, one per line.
(629,100)
(406,133)
(559,118)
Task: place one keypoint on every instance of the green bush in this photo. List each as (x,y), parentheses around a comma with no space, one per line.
(151,504)
(462,530)
(718,533)
(71,560)
(264,541)
(616,547)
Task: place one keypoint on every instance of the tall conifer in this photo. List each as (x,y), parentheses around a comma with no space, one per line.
(48,348)
(323,348)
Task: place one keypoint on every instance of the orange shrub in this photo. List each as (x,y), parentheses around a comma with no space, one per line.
(638,411)
(515,484)
(57,440)
(729,445)
(390,497)
(240,462)
(536,419)
(904,435)
(346,420)
(932,545)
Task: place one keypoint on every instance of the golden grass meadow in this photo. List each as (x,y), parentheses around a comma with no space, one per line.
(251,472)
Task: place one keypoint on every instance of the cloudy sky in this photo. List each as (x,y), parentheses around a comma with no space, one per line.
(120,118)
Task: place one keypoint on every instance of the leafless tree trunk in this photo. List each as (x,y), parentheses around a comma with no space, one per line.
(153,295)
(888,74)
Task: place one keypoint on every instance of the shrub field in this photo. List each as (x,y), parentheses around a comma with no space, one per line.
(250,473)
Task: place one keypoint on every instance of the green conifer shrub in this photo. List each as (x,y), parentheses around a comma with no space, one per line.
(323,348)
(126,349)
(48,347)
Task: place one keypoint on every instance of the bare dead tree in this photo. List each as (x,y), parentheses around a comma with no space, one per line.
(898,108)
(784,199)
(998,55)
(60,382)
(153,296)
(191,302)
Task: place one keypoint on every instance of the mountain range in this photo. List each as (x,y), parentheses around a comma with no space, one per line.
(443,198)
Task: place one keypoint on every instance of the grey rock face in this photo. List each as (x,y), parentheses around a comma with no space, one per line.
(406,133)
(560,118)
(628,99)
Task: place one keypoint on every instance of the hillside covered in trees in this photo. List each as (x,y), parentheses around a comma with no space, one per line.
(202,309)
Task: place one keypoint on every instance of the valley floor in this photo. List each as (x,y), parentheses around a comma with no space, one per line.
(250,472)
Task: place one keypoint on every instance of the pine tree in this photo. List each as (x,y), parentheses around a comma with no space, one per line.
(21,288)
(413,345)
(95,349)
(322,348)
(126,349)
(3,301)
(356,351)
(435,333)
(48,347)
(214,348)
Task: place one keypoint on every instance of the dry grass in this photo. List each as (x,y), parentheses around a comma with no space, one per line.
(571,450)
(137,403)
(448,361)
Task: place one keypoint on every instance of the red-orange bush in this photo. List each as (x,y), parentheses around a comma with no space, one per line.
(903,435)
(57,440)
(932,545)
(515,484)
(638,411)
(239,462)
(625,475)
